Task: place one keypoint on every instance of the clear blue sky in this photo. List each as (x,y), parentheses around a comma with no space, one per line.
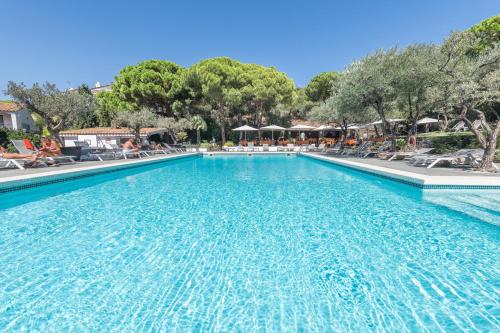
(74,42)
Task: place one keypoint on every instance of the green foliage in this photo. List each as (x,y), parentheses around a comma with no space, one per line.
(135,120)
(488,34)
(182,136)
(229,143)
(198,123)
(205,144)
(150,84)
(451,142)
(108,106)
(58,109)
(319,89)
(7,134)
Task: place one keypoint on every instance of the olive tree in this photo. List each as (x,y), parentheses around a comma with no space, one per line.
(173,126)
(413,81)
(473,84)
(369,82)
(58,109)
(343,107)
(135,120)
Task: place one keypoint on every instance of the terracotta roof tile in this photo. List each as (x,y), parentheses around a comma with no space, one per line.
(110,131)
(9,107)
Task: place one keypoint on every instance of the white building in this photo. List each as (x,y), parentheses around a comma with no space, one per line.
(13,116)
(98,88)
(96,137)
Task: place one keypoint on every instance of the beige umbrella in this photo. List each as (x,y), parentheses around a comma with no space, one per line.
(245,128)
(272,128)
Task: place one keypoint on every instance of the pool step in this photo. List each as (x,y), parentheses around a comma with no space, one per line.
(480,206)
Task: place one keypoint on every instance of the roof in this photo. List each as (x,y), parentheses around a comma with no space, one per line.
(112,131)
(305,122)
(100,88)
(7,106)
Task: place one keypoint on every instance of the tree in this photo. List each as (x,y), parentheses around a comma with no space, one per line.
(343,107)
(58,109)
(198,124)
(86,119)
(473,83)
(319,89)
(369,82)
(108,106)
(151,84)
(173,126)
(264,89)
(412,82)
(219,82)
(135,120)
(487,33)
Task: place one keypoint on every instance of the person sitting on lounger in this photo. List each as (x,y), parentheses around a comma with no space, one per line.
(5,154)
(130,147)
(50,148)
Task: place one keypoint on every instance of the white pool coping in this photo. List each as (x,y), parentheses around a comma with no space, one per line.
(121,164)
(228,153)
(411,177)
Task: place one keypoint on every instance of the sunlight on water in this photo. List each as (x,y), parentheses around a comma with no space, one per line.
(247,244)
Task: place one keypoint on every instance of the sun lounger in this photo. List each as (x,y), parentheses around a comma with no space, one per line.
(6,163)
(335,150)
(173,149)
(459,157)
(320,148)
(62,159)
(265,147)
(399,155)
(385,146)
(250,146)
(460,126)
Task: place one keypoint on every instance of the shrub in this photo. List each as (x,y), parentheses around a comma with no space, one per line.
(7,134)
(229,144)
(450,142)
(205,144)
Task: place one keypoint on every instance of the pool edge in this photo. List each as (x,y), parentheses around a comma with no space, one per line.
(424,182)
(20,182)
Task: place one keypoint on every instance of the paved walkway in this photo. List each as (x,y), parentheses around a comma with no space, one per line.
(405,166)
(7,173)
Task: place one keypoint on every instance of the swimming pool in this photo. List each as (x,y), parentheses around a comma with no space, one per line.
(236,243)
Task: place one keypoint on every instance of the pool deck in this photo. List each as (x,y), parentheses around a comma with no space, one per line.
(33,174)
(420,176)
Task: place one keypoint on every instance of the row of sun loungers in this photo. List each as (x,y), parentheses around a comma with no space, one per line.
(419,158)
(110,152)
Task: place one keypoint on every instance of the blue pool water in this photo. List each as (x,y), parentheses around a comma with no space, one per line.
(246,244)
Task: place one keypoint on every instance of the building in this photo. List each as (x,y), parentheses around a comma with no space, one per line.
(99,88)
(14,116)
(98,136)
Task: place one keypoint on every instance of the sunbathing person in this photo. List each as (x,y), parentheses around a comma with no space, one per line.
(130,147)
(4,154)
(50,148)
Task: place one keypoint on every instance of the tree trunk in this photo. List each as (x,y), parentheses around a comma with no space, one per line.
(198,137)
(54,133)
(223,135)
(488,142)
(490,150)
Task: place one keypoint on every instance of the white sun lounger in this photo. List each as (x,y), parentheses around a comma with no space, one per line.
(407,154)
(63,159)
